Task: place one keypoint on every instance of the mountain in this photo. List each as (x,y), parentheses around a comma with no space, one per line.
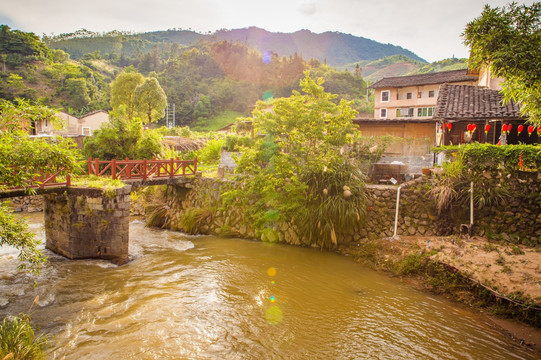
(334,48)
(400,65)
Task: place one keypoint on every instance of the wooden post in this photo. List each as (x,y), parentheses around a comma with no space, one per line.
(97,167)
(41,179)
(195,165)
(144,169)
(68,180)
(129,165)
(172,163)
(89,161)
(113,169)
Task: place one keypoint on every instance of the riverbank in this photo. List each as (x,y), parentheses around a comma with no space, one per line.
(500,280)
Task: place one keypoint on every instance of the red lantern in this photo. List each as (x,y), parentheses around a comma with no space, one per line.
(539,130)
(530,130)
(504,128)
(449,126)
(487,128)
(474,127)
(509,128)
(470,128)
(519,129)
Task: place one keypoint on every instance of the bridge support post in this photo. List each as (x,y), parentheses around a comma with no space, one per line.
(89,223)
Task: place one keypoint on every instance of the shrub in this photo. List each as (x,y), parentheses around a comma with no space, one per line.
(17,337)
(193,218)
(234,142)
(210,154)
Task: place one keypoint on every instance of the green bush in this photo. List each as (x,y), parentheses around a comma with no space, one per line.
(210,154)
(18,339)
(235,142)
(478,157)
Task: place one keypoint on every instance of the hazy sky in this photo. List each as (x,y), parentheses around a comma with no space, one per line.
(429,28)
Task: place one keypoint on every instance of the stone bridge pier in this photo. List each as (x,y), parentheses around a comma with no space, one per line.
(89,223)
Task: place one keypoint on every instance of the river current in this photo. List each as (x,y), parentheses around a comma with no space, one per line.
(203,297)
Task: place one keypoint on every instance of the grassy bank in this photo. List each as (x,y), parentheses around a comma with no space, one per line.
(436,264)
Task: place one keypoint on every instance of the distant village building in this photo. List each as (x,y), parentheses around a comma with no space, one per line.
(414,96)
(73,126)
(439,107)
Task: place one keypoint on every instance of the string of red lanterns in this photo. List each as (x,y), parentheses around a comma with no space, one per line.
(506,128)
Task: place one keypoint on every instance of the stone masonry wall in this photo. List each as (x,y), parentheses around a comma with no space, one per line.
(26,203)
(88,223)
(517,220)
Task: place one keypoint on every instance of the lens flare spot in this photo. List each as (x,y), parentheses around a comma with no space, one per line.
(271,271)
(267,56)
(273,282)
(273,299)
(274,315)
(268,95)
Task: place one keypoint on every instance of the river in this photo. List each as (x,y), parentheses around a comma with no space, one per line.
(203,297)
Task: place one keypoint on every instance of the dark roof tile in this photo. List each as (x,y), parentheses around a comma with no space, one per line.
(425,79)
(465,102)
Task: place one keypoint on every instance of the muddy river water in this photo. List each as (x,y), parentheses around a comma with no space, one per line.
(185,297)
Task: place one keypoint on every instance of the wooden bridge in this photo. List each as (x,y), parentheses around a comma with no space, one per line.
(134,172)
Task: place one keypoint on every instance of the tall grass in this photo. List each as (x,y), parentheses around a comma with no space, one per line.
(18,340)
(193,218)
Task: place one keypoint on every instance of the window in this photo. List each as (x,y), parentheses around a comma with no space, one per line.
(425,111)
(419,95)
(409,96)
(383,113)
(46,123)
(385,96)
(405,112)
(431,93)
(86,131)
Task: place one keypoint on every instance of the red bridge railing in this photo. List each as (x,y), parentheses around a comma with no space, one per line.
(142,169)
(44,180)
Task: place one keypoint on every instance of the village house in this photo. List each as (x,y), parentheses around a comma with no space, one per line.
(73,126)
(440,109)
(414,96)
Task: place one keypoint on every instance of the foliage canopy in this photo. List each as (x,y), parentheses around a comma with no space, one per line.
(21,161)
(507,40)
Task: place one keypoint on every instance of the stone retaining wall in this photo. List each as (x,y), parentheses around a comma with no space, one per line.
(26,203)
(518,220)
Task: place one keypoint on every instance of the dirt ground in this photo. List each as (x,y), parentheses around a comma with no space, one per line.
(505,269)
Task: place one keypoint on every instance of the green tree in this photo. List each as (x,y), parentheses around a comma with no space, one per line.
(21,160)
(507,40)
(299,169)
(17,47)
(121,138)
(150,100)
(122,90)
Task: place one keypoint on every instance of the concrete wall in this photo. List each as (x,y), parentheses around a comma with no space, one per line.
(88,223)
(93,121)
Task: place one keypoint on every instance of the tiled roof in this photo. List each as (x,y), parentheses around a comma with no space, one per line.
(456,102)
(425,79)
(92,113)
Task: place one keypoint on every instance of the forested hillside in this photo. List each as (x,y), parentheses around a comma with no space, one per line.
(203,81)
(399,65)
(334,48)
